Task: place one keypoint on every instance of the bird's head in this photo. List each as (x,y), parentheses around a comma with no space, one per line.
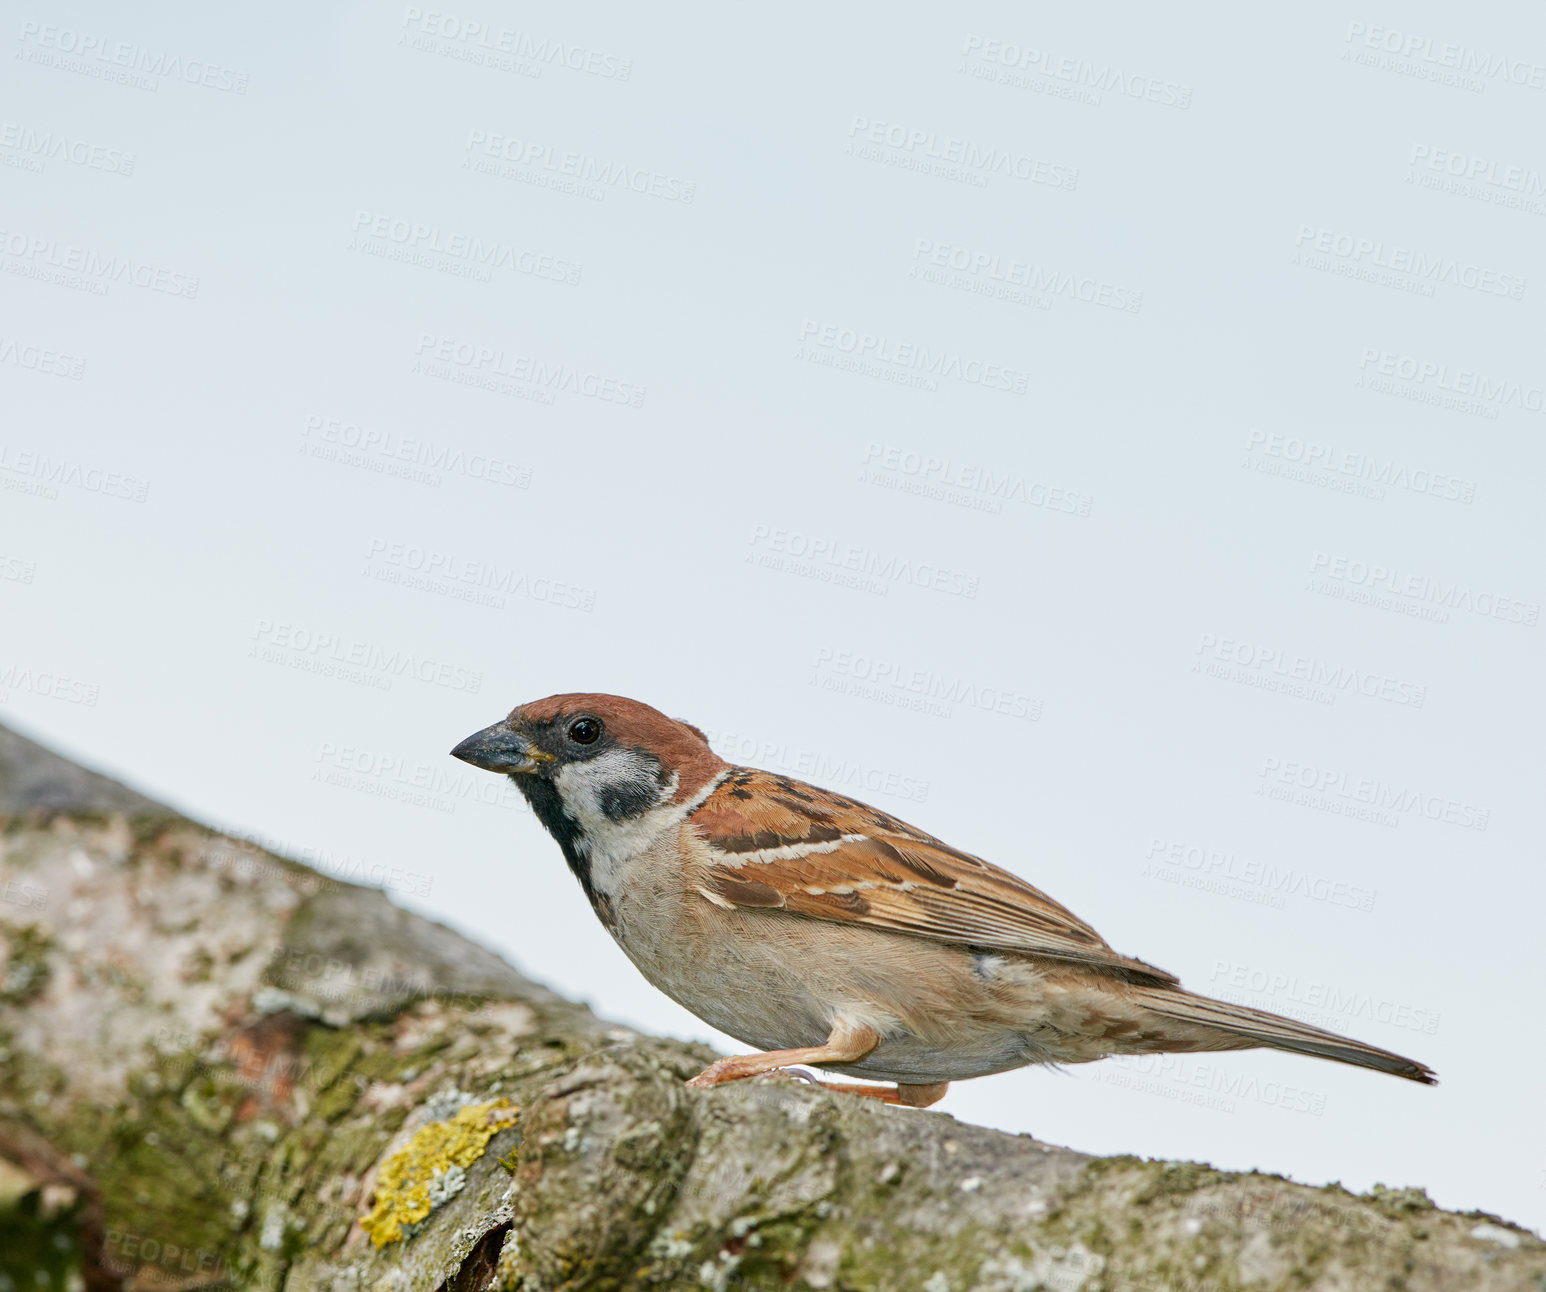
(592,766)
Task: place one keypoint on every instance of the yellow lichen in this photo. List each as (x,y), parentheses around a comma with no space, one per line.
(404,1184)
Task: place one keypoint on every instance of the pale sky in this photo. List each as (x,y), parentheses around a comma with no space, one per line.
(1109,440)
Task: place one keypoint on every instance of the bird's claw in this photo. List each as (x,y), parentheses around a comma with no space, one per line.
(807,1075)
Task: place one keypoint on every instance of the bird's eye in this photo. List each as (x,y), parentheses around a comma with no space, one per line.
(585,731)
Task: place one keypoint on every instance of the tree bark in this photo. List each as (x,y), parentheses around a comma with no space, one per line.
(219,1068)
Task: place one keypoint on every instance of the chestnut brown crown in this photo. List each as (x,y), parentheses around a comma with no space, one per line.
(543,737)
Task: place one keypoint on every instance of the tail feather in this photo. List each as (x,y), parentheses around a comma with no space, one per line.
(1279,1033)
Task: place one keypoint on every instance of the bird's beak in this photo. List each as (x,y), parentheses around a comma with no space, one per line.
(499,749)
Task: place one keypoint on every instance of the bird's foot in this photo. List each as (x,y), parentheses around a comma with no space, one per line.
(903,1096)
(733,1068)
(739,1067)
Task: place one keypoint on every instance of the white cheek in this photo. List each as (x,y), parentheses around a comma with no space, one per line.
(610,845)
(582,785)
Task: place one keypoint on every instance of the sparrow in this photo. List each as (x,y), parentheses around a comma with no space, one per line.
(823,931)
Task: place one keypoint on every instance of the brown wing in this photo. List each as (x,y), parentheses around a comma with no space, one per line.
(777,843)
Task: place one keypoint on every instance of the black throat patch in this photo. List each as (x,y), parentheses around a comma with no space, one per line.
(548,807)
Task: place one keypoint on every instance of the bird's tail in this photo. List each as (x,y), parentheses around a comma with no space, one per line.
(1258,1027)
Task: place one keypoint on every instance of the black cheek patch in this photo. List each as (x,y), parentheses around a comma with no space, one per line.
(634,795)
(625,799)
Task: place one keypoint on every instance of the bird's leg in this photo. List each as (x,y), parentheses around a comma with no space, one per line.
(847,1044)
(906,1096)
(921,1096)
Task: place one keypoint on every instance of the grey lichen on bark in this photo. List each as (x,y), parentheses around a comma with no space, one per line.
(215,1064)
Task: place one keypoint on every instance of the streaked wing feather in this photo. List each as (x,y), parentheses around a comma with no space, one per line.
(777,843)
